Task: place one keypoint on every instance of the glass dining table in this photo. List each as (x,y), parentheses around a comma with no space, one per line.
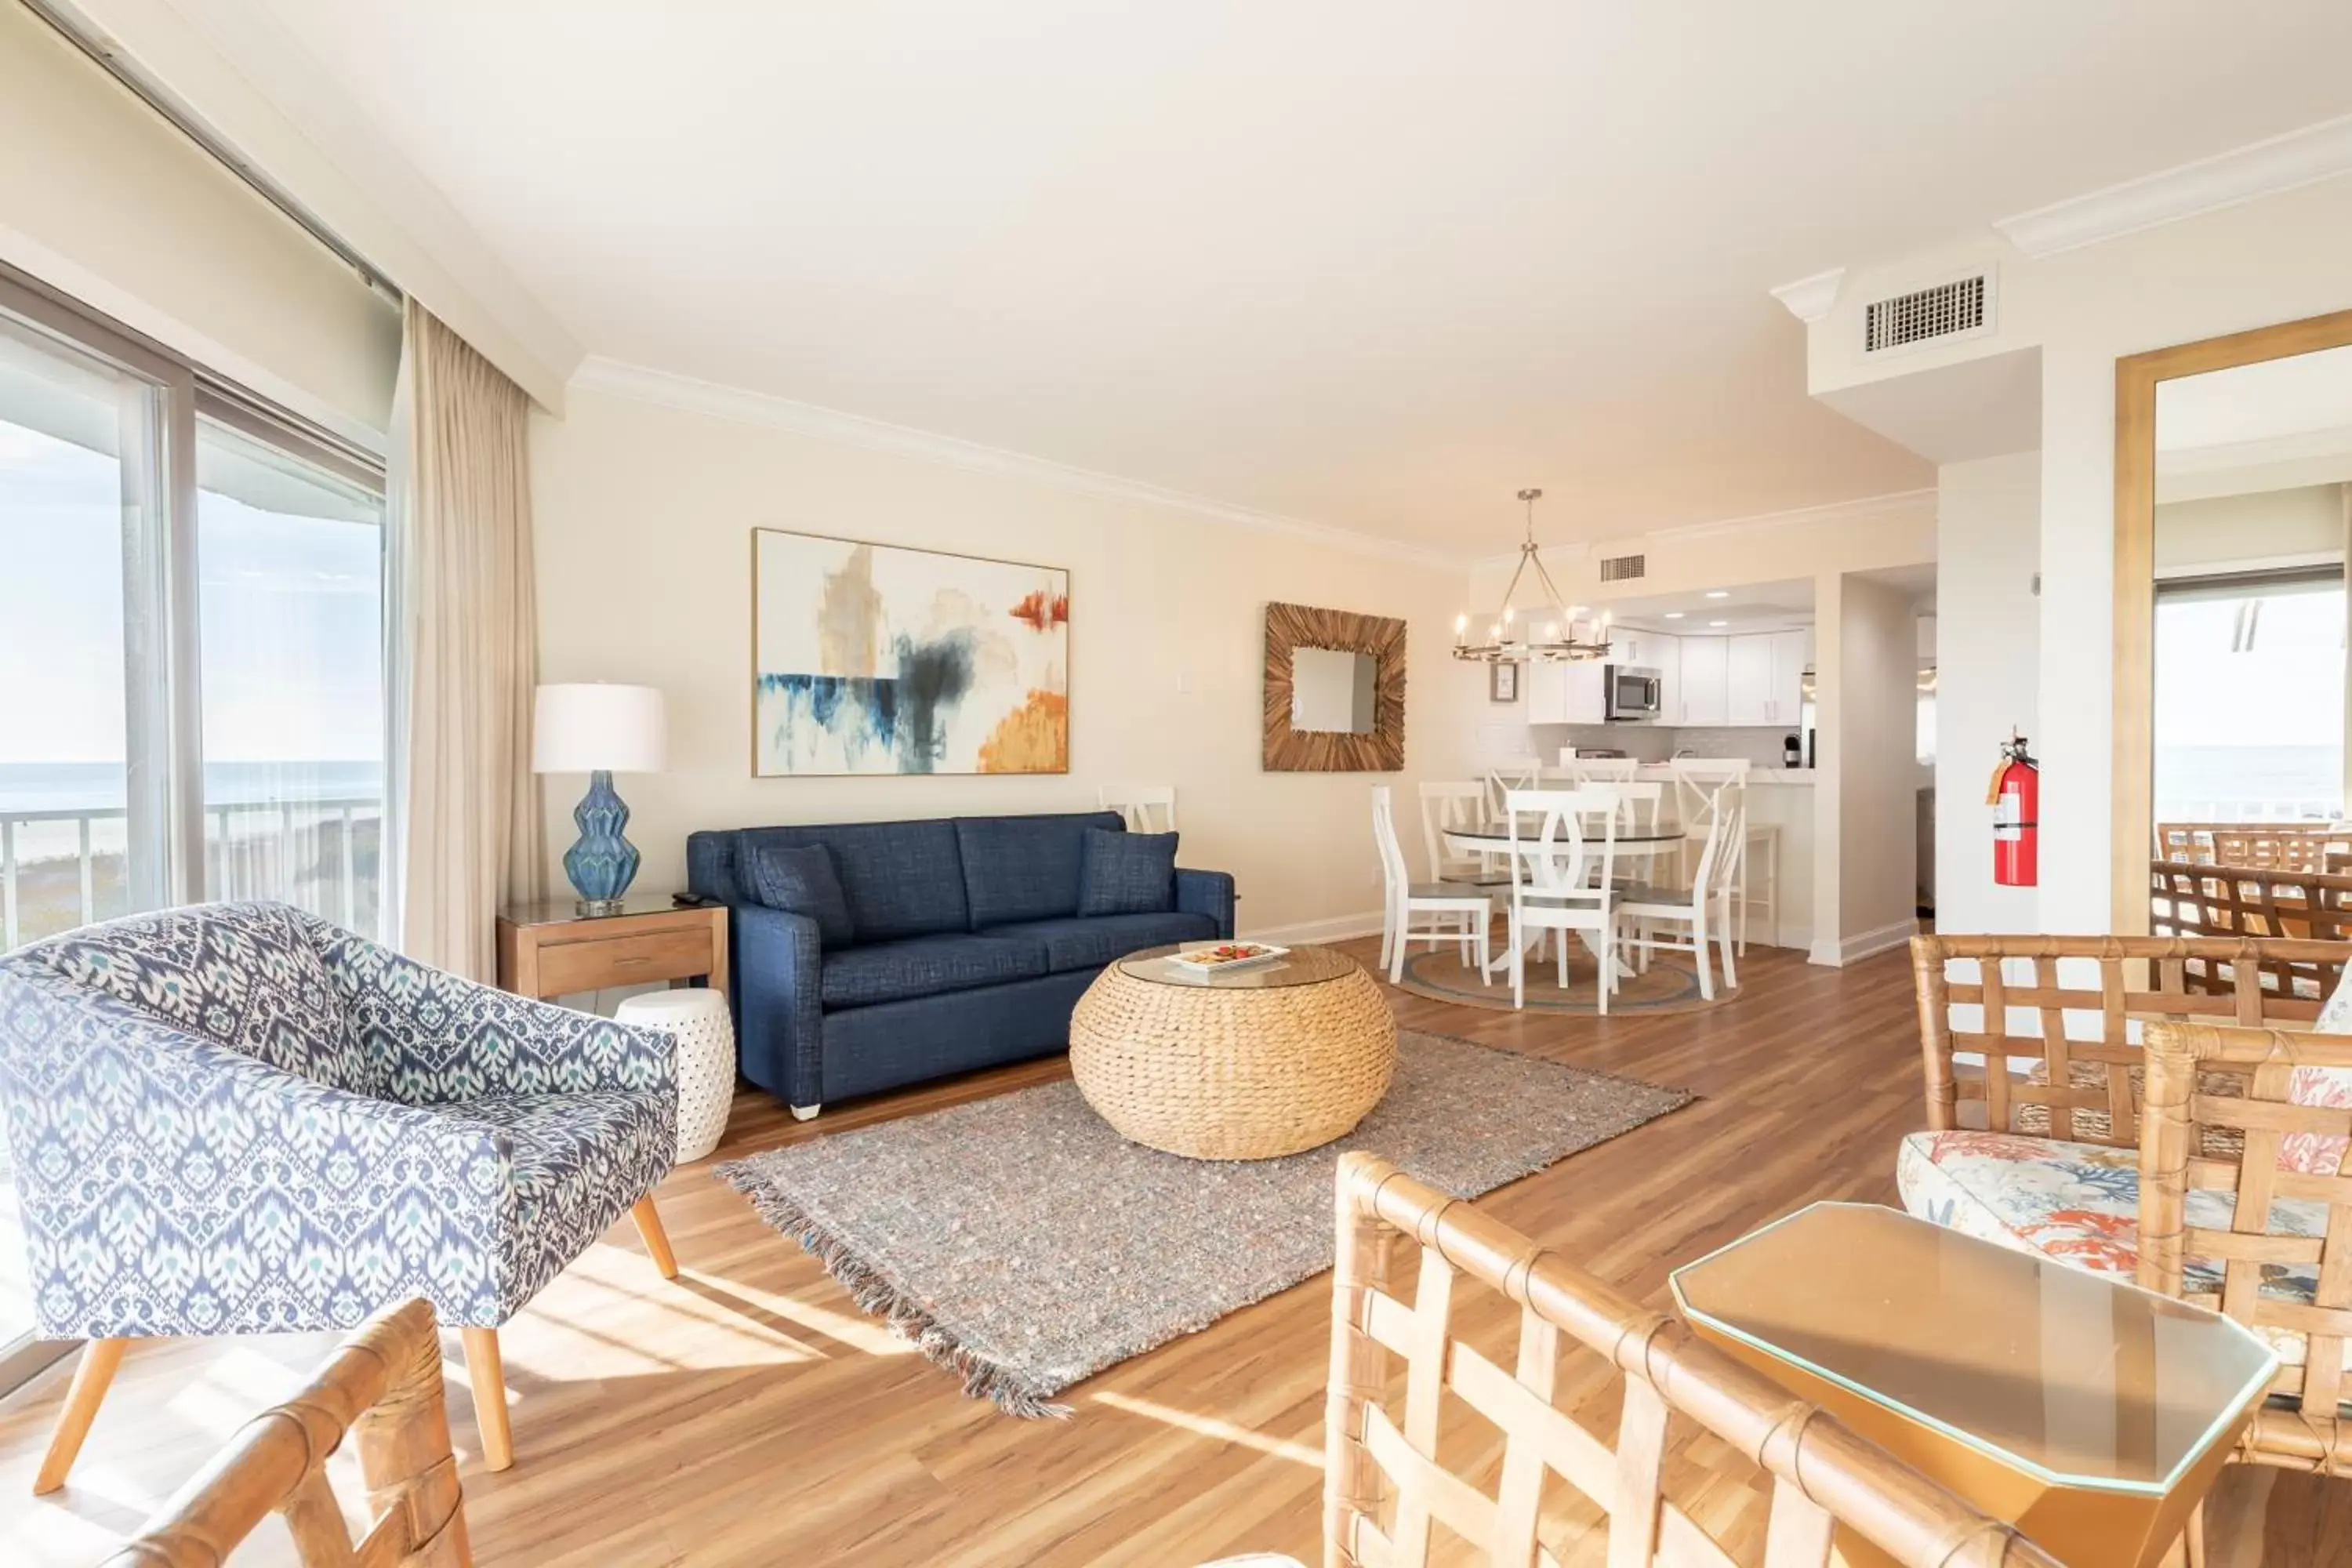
(1496,838)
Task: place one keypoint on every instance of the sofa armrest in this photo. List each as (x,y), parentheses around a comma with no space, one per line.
(1207,893)
(780,1022)
(439,1038)
(171,1185)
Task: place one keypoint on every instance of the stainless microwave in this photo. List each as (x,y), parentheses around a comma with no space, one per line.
(1632,693)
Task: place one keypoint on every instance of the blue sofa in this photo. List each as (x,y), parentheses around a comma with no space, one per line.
(967,947)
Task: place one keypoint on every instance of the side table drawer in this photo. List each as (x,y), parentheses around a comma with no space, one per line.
(568,966)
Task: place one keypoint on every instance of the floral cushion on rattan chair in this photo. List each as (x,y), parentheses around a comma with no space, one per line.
(2079,1203)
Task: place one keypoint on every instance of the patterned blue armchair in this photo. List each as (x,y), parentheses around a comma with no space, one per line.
(239,1118)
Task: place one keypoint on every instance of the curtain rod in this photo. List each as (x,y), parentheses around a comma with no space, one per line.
(84,34)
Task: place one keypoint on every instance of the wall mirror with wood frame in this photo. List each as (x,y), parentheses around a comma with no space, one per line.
(1334,691)
(2234,510)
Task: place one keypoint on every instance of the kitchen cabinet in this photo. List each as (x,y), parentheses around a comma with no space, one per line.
(1702,682)
(1747,683)
(1764,678)
(1566,693)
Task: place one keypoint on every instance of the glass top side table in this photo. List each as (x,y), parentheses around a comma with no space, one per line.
(2090,1413)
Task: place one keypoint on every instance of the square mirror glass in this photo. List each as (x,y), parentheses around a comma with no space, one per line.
(1331,690)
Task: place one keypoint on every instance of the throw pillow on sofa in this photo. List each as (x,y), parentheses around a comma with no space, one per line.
(1126,873)
(801,880)
(2321,1153)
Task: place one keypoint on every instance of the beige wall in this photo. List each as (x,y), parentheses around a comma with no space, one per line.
(1868,780)
(1988,670)
(645,516)
(102,199)
(2299,527)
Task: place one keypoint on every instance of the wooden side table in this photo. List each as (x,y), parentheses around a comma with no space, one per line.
(550,949)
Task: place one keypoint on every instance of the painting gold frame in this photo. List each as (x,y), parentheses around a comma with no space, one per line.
(2136,379)
(1288,628)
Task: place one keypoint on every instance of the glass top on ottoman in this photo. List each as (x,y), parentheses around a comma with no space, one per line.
(2083,1378)
(1299,966)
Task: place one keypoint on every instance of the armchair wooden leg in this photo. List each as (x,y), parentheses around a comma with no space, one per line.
(488,1374)
(98,1360)
(657,1239)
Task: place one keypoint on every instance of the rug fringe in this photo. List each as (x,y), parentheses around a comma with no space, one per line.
(878,1297)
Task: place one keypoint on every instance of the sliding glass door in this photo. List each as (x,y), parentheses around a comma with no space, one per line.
(292,556)
(190,654)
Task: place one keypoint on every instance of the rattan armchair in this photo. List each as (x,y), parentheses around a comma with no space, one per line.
(383,1384)
(2012,999)
(2198,1138)
(1385,1489)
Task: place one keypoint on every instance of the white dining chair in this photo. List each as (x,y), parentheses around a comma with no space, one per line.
(1563,880)
(1449,806)
(1136,803)
(1519,773)
(1602,770)
(1463,914)
(1703,906)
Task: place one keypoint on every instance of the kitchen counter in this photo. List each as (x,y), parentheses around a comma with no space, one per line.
(1662,772)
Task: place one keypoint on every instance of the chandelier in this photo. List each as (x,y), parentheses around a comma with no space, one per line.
(1555,633)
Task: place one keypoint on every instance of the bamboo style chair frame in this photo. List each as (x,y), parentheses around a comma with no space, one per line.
(2303,1427)
(2267,846)
(383,1384)
(2186,899)
(2087,1090)
(1380,1469)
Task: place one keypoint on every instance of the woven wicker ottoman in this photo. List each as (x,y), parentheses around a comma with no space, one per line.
(1263,1061)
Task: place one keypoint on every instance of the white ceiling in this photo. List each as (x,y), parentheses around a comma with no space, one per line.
(1372,263)
(2301,395)
(1749,607)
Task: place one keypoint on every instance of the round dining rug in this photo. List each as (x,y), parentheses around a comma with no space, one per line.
(1671,985)
(1018,1241)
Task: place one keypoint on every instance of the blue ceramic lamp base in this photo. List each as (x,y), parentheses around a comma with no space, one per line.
(602,863)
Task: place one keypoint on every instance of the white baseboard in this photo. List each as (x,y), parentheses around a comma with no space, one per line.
(1338,928)
(1839,953)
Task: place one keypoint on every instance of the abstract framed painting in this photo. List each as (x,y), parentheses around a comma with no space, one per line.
(871,659)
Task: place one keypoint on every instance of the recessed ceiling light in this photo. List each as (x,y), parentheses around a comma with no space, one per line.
(1718,593)
(1673,614)
(1718,622)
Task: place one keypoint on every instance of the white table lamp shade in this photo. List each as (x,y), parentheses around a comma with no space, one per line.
(595,728)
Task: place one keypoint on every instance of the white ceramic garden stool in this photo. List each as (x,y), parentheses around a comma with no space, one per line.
(697,1019)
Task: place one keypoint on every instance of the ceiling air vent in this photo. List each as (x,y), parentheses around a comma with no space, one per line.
(1958,307)
(1622,568)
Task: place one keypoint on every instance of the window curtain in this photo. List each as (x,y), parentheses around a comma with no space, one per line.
(464,655)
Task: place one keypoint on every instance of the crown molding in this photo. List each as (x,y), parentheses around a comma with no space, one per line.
(1829,511)
(2302,446)
(643,383)
(1809,298)
(2246,174)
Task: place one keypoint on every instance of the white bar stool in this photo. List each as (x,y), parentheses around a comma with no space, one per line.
(1768,836)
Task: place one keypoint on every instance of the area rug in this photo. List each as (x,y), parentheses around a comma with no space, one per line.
(1021,1242)
(1670,986)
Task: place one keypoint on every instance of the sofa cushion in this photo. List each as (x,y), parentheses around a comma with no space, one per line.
(1025,868)
(1089,942)
(1128,874)
(924,966)
(800,879)
(901,879)
(2079,1203)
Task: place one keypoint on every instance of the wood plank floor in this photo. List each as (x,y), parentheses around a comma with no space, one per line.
(748,1414)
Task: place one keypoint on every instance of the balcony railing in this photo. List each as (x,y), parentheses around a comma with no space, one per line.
(65,867)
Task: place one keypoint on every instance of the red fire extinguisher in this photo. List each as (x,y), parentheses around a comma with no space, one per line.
(2016,801)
